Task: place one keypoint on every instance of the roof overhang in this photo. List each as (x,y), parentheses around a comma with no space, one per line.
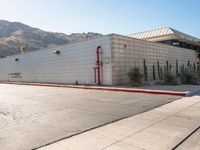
(164,34)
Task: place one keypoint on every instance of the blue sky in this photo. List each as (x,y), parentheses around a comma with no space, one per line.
(104,16)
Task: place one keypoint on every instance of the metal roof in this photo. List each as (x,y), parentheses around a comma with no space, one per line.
(164,33)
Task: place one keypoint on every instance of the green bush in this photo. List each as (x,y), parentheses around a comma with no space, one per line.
(135,76)
(170,79)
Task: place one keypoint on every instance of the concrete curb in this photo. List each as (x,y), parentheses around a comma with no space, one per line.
(192,93)
(105,88)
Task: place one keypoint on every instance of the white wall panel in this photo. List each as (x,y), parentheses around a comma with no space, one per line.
(74,63)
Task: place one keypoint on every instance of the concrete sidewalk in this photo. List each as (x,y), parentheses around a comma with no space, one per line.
(192,143)
(161,128)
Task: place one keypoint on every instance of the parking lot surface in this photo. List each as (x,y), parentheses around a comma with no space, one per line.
(33,116)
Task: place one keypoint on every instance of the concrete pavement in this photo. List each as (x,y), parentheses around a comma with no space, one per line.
(192,143)
(159,129)
(33,116)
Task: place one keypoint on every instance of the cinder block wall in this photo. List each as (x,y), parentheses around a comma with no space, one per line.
(129,52)
(74,63)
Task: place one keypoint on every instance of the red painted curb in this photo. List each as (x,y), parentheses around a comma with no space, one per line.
(162,92)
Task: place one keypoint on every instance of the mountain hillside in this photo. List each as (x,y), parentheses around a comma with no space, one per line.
(15,35)
(6,28)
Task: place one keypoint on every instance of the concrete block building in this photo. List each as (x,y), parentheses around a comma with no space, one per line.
(105,60)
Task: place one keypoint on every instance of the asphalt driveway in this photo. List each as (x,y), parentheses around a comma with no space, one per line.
(33,116)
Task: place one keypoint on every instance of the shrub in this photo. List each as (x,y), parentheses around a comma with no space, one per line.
(170,79)
(135,76)
(198,71)
(189,76)
(76,83)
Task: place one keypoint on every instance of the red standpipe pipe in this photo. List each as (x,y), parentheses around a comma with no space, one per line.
(98,65)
